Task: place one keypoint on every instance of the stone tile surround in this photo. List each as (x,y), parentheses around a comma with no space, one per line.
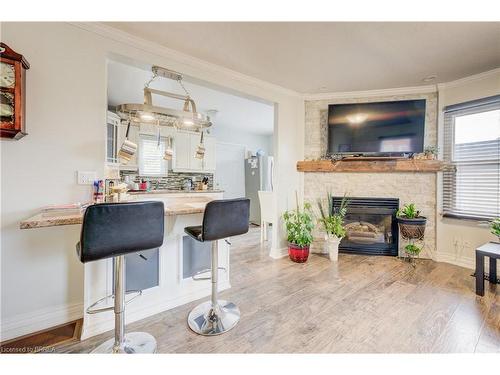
(418,188)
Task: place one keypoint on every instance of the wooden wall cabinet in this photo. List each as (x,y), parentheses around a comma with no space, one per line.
(13,68)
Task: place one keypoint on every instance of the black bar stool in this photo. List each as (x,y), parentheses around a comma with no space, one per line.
(113,230)
(222,219)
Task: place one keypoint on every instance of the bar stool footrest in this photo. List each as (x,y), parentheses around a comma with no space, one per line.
(94,309)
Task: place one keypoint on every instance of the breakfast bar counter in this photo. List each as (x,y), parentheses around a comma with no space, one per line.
(175,206)
(163,274)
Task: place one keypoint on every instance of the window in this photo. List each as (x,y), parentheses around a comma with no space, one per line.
(151,162)
(471,189)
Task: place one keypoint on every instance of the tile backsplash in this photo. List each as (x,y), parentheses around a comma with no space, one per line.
(173,181)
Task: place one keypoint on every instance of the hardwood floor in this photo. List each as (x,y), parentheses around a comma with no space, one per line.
(359,305)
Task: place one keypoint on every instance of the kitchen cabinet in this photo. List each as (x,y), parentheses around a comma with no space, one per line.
(185,144)
(196,164)
(209,160)
(112,126)
(181,158)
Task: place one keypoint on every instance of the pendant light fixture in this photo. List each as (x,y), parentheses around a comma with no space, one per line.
(186,118)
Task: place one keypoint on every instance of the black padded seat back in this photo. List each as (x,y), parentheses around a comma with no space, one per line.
(225,218)
(112,229)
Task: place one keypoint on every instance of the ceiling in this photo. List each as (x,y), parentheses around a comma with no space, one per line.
(334,56)
(126,84)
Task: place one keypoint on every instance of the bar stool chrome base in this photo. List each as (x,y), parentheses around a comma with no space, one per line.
(208,321)
(134,343)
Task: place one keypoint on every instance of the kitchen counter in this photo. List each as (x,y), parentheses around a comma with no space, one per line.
(175,206)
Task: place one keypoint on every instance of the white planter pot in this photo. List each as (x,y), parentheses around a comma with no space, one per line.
(332,247)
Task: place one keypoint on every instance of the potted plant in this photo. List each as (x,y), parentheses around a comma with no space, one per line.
(410,215)
(332,219)
(412,228)
(299,225)
(431,152)
(495,227)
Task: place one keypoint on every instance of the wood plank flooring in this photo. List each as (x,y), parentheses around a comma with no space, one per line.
(359,305)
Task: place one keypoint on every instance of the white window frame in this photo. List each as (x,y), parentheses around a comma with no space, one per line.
(451,206)
(141,162)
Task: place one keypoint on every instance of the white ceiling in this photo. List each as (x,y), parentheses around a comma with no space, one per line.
(316,57)
(126,84)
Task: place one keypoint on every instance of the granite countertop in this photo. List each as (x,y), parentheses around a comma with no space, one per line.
(180,206)
(170,191)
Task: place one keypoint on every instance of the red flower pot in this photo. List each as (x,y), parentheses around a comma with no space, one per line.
(298,254)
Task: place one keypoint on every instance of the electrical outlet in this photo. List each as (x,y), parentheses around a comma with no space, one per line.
(86,177)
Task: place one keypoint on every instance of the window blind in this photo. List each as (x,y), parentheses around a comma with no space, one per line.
(151,162)
(471,189)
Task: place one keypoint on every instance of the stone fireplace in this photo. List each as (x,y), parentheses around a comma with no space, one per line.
(409,186)
(370,225)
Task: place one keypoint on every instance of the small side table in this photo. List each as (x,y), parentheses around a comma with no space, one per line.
(491,250)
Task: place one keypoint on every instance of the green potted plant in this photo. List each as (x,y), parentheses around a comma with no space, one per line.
(431,152)
(412,228)
(332,219)
(409,215)
(495,227)
(299,225)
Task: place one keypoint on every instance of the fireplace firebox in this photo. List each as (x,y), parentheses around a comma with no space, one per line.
(371,226)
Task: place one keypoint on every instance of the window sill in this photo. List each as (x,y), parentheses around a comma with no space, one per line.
(470,220)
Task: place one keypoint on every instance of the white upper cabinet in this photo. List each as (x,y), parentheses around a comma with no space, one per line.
(210,152)
(112,126)
(185,144)
(181,159)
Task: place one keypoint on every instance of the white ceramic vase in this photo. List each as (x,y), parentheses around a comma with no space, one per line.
(332,247)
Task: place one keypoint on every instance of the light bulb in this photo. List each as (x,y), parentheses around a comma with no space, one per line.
(146,116)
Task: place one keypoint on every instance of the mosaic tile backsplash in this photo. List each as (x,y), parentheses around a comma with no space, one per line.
(173,181)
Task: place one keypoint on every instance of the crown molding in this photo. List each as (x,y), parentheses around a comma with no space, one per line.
(372,93)
(180,57)
(470,79)
(196,63)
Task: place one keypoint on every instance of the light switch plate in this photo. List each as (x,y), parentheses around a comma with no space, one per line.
(86,177)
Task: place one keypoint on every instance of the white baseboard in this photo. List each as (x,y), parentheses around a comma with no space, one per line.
(278,253)
(38,320)
(461,261)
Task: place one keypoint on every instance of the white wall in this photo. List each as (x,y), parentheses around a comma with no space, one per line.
(41,278)
(251,141)
(235,144)
(458,239)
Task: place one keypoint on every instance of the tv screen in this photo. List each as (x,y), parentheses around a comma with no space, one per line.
(383,128)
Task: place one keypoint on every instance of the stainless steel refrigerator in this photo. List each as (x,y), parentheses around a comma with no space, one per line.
(258,176)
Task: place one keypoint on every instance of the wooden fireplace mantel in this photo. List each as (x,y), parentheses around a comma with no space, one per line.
(368,165)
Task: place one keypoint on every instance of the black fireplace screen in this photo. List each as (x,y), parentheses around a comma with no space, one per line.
(371,226)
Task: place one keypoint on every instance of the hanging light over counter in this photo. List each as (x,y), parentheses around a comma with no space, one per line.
(185,118)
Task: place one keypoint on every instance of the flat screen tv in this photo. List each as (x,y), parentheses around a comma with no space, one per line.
(377,129)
